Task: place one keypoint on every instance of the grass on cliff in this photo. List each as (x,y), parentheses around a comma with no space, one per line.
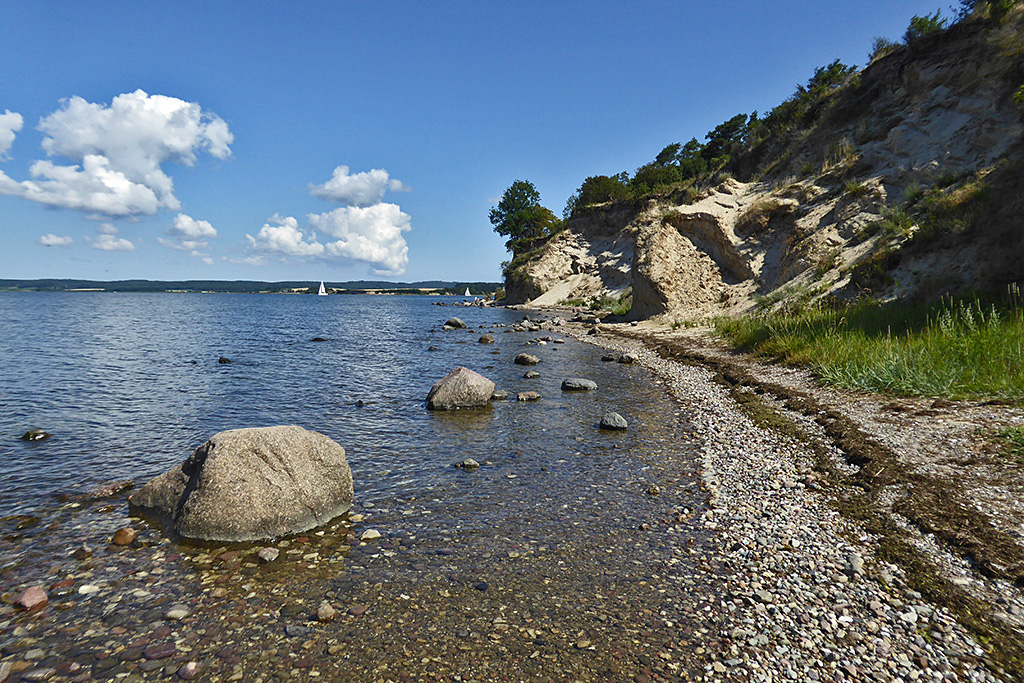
(955,349)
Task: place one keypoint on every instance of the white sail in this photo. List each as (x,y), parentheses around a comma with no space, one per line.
(323,290)
(467,292)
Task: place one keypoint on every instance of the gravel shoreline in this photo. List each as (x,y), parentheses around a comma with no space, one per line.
(766,582)
(802,596)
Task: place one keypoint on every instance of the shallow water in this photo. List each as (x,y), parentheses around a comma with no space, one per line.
(559,530)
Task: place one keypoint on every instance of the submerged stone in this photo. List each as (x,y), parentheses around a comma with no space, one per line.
(613,422)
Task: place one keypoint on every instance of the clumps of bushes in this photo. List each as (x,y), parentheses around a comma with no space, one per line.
(882,47)
(855,189)
(873,272)
(756,217)
(840,158)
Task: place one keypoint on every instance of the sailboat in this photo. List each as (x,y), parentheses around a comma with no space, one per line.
(322,291)
(467,292)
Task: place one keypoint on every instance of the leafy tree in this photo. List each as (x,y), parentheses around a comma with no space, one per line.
(667,156)
(691,159)
(825,79)
(922,26)
(520,216)
(997,9)
(598,189)
(652,178)
(724,136)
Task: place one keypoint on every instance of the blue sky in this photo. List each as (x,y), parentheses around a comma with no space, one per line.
(343,140)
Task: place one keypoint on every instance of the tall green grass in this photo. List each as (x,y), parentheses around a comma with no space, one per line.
(956,349)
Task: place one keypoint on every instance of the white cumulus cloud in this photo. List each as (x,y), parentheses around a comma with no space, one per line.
(282,235)
(10,123)
(51,240)
(188,228)
(109,241)
(372,234)
(189,234)
(361,189)
(117,153)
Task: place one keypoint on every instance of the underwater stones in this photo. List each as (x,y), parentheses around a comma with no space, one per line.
(613,422)
(33,597)
(250,484)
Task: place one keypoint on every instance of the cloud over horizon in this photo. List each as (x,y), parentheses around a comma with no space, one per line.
(10,123)
(372,234)
(362,189)
(109,241)
(281,234)
(51,240)
(191,235)
(117,153)
(367,229)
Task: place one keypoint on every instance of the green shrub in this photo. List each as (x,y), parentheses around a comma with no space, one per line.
(880,47)
(856,189)
(922,26)
(895,223)
(597,189)
(912,194)
(873,272)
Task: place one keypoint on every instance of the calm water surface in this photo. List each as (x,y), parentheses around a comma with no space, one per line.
(129,384)
(557,560)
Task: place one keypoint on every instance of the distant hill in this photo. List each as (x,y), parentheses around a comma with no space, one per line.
(244,286)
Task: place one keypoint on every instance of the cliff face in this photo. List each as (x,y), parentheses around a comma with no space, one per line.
(908,183)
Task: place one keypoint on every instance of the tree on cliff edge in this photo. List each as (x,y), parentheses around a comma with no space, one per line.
(520,217)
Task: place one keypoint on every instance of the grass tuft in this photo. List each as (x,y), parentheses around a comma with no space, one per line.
(957,349)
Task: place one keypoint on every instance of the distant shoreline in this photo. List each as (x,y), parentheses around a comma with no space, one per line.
(248,287)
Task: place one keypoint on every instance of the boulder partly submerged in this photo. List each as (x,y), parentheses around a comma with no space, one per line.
(251,484)
(460,388)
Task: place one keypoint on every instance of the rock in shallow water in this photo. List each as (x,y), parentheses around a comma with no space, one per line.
(250,484)
(32,598)
(124,536)
(36,435)
(578,384)
(526,359)
(613,422)
(460,388)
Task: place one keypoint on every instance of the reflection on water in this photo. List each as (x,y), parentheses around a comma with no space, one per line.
(555,541)
(129,384)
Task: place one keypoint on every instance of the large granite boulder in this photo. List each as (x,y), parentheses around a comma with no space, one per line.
(250,484)
(460,388)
